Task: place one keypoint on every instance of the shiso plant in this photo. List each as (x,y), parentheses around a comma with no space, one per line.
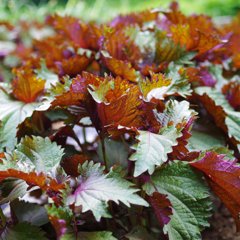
(124,130)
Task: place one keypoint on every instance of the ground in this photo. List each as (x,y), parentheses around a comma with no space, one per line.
(222,225)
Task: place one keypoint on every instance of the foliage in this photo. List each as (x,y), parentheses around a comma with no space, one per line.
(89,10)
(121,130)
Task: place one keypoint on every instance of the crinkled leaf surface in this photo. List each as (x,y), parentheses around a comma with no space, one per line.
(120,68)
(124,111)
(30,162)
(41,152)
(180,115)
(155,87)
(188,195)
(176,113)
(27,87)
(166,49)
(152,149)
(95,189)
(180,85)
(160,86)
(99,93)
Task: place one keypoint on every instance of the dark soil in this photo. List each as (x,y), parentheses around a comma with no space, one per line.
(222,225)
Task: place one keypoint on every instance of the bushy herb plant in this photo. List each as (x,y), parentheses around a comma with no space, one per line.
(124,130)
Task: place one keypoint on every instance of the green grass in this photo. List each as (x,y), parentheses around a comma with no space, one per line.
(102,10)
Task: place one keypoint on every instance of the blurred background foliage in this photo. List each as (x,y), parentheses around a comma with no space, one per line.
(102,10)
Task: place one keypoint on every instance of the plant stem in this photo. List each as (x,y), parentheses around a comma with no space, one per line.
(84,134)
(3,221)
(75,228)
(104,152)
(124,142)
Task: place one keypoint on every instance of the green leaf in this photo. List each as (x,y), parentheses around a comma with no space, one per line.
(139,233)
(102,235)
(33,153)
(8,132)
(155,45)
(233,124)
(12,114)
(29,212)
(166,49)
(180,84)
(202,141)
(99,93)
(44,73)
(59,88)
(3,219)
(186,59)
(152,149)
(61,218)
(189,197)
(116,152)
(217,71)
(60,212)
(12,189)
(23,231)
(41,152)
(175,113)
(205,136)
(232,118)
(95,189)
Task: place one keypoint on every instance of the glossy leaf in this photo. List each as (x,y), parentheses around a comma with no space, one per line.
(26,86)
(120,68)
(223,176)
(124,111)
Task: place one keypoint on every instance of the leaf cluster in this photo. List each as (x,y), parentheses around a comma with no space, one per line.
(118,131)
